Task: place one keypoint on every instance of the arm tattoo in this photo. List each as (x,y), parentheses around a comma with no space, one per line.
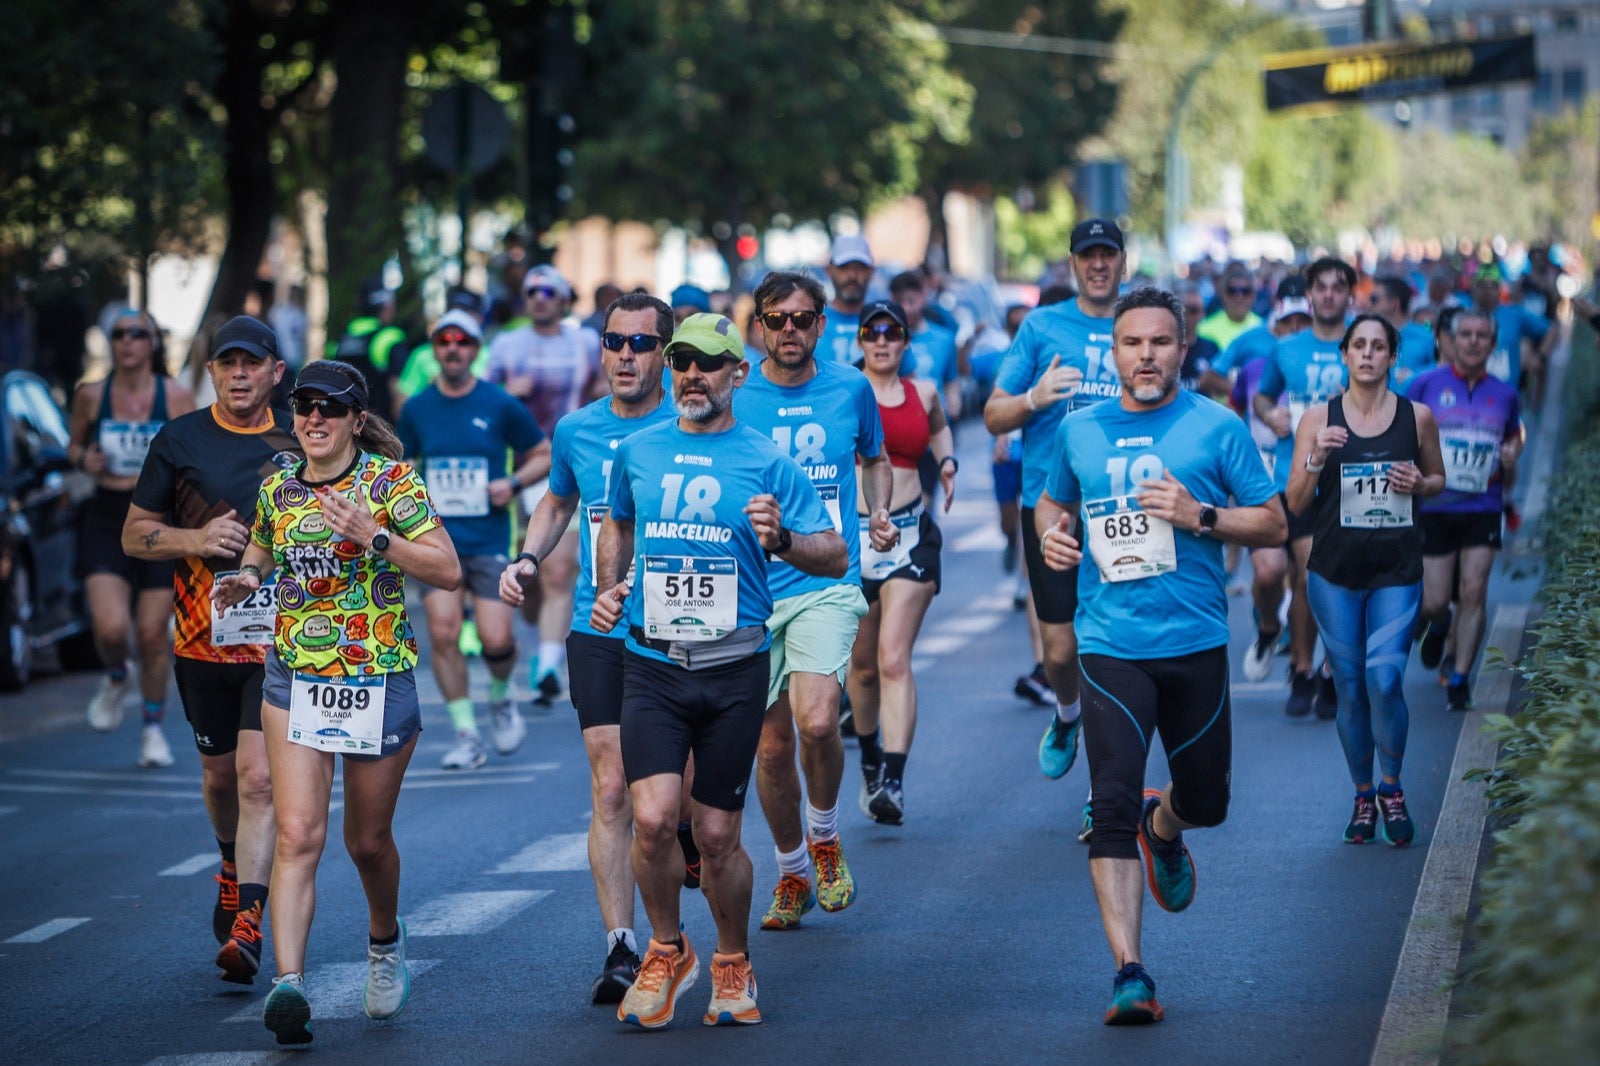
(150,539)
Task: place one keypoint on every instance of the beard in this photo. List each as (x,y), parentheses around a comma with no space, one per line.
(1149,394)
(702,408)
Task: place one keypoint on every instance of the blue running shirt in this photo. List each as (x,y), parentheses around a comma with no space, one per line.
(581,454)
(1514,324)
(822,425)
(1106,453)
(932,355)
(1083,341)
(1256,343)
(693,543)
(1416,353)
(1303,370)
(837,344)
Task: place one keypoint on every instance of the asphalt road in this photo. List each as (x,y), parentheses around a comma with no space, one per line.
(975,935)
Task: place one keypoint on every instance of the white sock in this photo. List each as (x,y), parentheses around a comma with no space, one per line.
(797,862)
(625,936)
(552,653)
(822,825)
(1068,712)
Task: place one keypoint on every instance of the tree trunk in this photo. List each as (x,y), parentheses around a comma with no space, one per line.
(938,229)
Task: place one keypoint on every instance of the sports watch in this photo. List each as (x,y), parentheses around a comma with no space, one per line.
(380,542)
(1208,518)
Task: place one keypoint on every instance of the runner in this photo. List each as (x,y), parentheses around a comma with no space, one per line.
(477,448)
(635,329)
(1060,361)
(1154,656)
(899,584)
(1391,298)
(113,422)
(824,416)
(343,529)
(1480,434)
(717,497)
(850,267)
(1361,459)
(1518,332)
(204,470)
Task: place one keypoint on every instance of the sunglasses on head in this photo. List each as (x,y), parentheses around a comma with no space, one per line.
(331,409)
(543,292)
(639,342)
(776,320)
(887,331)
(680,361)
(132,333)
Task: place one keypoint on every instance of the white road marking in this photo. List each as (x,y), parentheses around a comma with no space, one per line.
(223,1058)
(89,790)
(489,770)
(970,625)
(335,990)
(560,853)
(125,776)
(203,861)
(935,644)
(470,913)
(40,933)
(982,539)
(468,782)
(919,665)
(7,810)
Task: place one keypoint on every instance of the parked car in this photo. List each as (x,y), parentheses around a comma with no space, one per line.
(41,596)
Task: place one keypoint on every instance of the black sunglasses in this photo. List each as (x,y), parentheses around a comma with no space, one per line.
(331,409)
(1240,290)
(680,361)
(544,292)
(639,342)
(776,320)
(889,331)
(132,333)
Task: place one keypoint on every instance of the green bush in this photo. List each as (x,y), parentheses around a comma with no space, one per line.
(1529,989)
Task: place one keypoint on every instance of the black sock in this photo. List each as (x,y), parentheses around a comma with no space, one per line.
(250,895)
(691,853)
(226,847)
(871,748)
(392,938)
(894,766)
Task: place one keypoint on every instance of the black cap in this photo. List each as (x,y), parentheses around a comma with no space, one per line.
(1293,285)
(335,380)
(465,299)
(884,307)
(1096,233)
(245,334)
(375,294)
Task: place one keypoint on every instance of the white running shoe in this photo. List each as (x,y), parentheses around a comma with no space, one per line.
(506,726)
(468,754)
(388,979)
(154,751)
(1258,658)
(105,709)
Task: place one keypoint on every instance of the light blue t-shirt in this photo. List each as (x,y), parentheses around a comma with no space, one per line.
(1514,324)
(685,494)
(932,356)
(822,425)
(1305,371)
(1081,340)
(1254,343)
(1107,452)
(581,454)
(838,341)
(1416,353)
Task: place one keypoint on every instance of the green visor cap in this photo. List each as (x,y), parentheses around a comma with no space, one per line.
(711,334)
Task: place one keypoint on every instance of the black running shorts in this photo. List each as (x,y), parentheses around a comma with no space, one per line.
(219,700)
(1055,592)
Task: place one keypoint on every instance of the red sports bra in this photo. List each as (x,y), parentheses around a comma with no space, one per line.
(905,428)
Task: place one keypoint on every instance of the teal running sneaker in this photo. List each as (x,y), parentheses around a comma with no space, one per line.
(1058,748)
(1133,998)
(1168,866)
(1086,831)
(288,1012)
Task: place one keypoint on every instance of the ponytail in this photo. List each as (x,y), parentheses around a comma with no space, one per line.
(378,437)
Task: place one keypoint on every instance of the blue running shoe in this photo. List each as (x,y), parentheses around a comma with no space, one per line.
(1133,998)
(1168,866)
(1086,832)
(288,1011)
(1058,748)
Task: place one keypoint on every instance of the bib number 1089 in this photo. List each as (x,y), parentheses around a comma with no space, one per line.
(338,697)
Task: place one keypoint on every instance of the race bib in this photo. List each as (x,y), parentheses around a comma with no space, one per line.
(247,622)
(830,502)
(1367,502)
(459,488)
(689,597)
(596,515)
(125,445)
(877,565)
(1297,411)
(1471,457)
(1127,542)
(339,714)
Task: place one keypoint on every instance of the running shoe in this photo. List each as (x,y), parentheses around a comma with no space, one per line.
(1258,656)
(548,687)
(105,708)
(227,904)
(1058,748)
(836,889)
(1167,863)
(1008,556)
(1394,822)
(506,726)
(665,974)
(468,754)
(1302,693)
(1035,687)
(1447,670)
(733,991)
(288,1012)
(1363,827)
(791,899)
(1086,831)
(871,782)
(888,807)
(1431,652)
(154,751)
(240,955)
(388,978)
(1459,695)
(1327,702)
(1133,998)
(621,967)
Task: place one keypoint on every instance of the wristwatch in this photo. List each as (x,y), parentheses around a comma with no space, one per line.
(785,540)
(1208,518)
(532,558)
(953,461)
(380,542)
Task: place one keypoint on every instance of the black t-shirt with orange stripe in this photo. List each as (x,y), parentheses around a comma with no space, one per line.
(199,469)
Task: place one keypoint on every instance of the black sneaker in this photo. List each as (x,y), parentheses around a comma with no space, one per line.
(1460,696)
(1327,702)
(1363,827)
(1035,687)
(1394,821)
(1431,652)
(888,806)
(1302,692)
(548,688)
(622,966)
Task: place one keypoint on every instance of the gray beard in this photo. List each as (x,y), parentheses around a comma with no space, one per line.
(1155,393)
(703,411)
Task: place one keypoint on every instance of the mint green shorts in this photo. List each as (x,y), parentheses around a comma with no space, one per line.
(813,633)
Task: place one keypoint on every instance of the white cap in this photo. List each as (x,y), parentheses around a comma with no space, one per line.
(850,248)
(546,275)
(1292,305)
(461,320)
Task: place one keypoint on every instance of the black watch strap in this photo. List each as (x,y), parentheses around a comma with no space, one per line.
(532,558)
(953,461)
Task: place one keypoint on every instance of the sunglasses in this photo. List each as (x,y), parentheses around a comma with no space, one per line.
(639,342)
(543,292)
(457,338)
(776,320)
(1240,290)
(132,333)
(331,409)
(680,361)
(887,331)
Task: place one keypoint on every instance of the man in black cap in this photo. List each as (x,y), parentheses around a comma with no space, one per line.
(375,346)
(194,503)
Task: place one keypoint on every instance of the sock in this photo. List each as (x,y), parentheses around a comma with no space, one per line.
(1458,679)
(1068,712)
(822,825)
(894,766)
(797,862)
(252,895)
(118,673)
(226,847)
(1387,789)
(1366,793)
(691,853)
(623,937)
(499,688)
(392,938)
(552,653)
(462,716)
(871,749)
(154,711)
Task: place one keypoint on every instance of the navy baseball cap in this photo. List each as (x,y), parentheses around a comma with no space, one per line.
(1096,233)
(878,308)
(246,334)
(335,380)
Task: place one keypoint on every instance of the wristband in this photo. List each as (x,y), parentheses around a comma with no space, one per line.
(532,558)
(251,568)
(516,486)
(1317,469)
(1031,405)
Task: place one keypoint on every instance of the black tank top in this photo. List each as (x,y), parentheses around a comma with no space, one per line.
(1359,556)
(158,404)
